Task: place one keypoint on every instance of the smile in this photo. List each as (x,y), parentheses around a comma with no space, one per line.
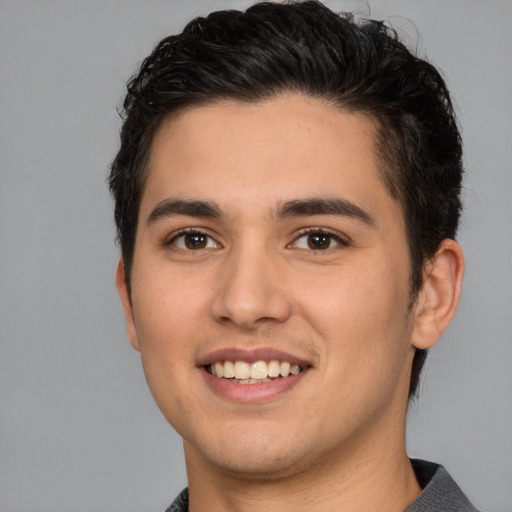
(257,372)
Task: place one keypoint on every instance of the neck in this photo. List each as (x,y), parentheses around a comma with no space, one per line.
(380,478)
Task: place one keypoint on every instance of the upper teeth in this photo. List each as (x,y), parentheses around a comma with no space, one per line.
(258,370)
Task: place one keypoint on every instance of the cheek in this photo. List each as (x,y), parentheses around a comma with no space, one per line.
(362,316)
(168,304)
(169,313)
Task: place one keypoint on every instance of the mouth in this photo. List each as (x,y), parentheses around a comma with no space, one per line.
(255,376)
(255,372)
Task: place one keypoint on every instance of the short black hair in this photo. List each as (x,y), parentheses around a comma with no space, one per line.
(358,65)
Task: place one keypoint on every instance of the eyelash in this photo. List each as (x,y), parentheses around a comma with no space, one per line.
(322,231)
(307,232)
(188,231)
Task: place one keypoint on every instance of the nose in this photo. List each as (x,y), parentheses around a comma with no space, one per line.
(251,290)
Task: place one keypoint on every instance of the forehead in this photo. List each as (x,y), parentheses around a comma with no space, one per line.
(258,154)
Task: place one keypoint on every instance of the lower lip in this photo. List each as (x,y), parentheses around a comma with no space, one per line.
(252,393)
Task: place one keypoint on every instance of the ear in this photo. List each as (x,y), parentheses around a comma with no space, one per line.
(124,294)
(439,295)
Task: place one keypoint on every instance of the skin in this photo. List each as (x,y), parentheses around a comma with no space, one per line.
(334,440)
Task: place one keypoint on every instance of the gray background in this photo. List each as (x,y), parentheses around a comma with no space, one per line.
(79,430)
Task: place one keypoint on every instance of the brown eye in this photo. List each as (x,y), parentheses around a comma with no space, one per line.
(195,241)
(319,241)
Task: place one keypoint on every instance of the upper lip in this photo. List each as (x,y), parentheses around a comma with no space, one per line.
(251,356)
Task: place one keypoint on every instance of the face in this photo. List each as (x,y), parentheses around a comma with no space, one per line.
(270,286)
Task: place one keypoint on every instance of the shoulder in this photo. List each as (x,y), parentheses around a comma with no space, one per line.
(180,504)
(440,492)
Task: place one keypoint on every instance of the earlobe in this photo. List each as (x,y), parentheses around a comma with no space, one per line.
(124,294)
(439,295)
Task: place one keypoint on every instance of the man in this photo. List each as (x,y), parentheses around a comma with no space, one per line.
(287,197)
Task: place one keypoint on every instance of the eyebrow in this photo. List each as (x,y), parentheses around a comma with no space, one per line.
(191,208)
(322,206)
(297,208)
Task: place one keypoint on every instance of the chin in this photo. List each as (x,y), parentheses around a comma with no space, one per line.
(260,456)
(265,467)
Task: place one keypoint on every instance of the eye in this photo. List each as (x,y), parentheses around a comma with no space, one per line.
(318,241)
(193,241)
